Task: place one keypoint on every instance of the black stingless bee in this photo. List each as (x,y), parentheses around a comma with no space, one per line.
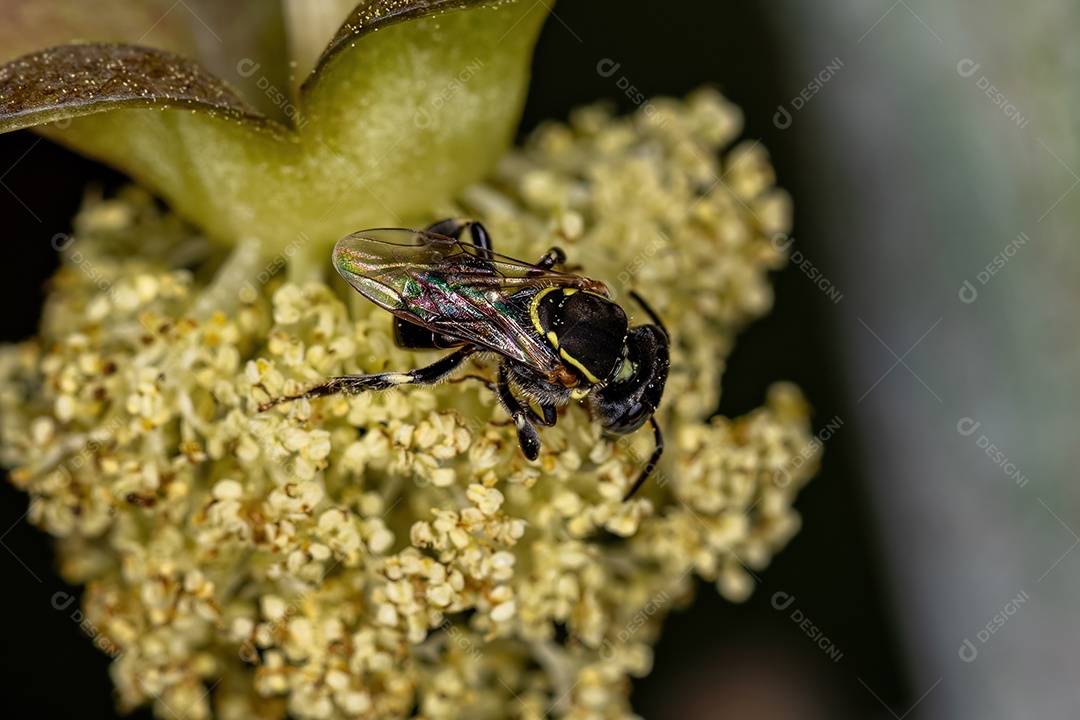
(560,336)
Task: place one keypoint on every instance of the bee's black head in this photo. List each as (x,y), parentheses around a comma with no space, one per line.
(630,399)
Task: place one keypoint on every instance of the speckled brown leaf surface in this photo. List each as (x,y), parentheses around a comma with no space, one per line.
(74,80)
(211,32)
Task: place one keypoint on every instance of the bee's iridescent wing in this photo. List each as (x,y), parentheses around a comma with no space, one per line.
(454,288)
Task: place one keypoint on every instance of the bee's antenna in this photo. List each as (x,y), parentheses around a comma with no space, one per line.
(655,318)
(652,461)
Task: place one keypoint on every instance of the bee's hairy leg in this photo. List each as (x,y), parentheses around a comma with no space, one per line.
(354,384)
(528,438)
(478,378)
(550,416)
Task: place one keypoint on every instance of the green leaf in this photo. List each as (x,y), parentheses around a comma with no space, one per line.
(390,123)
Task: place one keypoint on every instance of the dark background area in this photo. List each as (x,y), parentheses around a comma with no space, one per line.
(713,654)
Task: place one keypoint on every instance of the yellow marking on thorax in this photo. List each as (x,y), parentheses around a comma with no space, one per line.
(534,310)
(573,361)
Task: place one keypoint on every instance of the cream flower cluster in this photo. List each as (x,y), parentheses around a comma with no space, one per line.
(394,553)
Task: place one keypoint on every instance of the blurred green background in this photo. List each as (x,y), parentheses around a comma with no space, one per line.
(926,146)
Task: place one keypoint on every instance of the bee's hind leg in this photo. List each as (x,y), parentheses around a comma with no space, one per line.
(452,227)
(528,438)
(354,384)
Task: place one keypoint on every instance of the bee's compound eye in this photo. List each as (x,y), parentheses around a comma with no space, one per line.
(629,401)
(633,418)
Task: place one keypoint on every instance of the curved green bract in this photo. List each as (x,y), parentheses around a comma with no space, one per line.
(389,125)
